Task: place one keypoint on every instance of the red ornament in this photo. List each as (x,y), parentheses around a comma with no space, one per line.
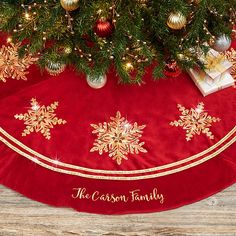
(103,28)
(172,69)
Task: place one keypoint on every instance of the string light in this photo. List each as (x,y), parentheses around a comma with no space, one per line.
(27,16)
(9,40)
(133,53)
(99,11)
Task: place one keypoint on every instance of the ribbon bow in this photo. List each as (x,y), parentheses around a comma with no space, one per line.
(214,62)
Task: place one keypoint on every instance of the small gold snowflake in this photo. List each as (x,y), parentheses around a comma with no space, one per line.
(195,121)
(11,65)
(118,138)
(231,56)
(40,119)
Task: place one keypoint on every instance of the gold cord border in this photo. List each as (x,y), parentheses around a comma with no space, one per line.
(38,155)
(58,163)
(169,172)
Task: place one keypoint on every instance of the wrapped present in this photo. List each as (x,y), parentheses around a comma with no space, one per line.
(200,79)
(216,64)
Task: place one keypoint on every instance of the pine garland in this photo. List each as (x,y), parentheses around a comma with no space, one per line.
(141,35)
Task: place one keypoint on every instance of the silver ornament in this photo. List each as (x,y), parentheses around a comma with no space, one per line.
(222,43)
(98,82)
(54,68)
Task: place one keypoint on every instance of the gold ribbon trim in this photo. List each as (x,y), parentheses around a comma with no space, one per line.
(55,169)
(58,163)
(38,159)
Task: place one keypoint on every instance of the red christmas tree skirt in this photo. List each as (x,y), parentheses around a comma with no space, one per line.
(120,149)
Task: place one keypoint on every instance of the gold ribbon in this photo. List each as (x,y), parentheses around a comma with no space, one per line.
(214,62)
(219,86)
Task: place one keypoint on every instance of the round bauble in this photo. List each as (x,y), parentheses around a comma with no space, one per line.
(54,68)
(196,2)
(67,50)
(181,57)
(176,20)
(128,66)
(103,28)
(70,5)
(142,2)
(98,82)
(171,68)
(222,43)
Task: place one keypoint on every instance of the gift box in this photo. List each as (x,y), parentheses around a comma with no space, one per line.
(216,64)
(200,79)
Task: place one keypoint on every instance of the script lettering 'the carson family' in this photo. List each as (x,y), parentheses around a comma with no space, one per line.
(153,196)
(131,196)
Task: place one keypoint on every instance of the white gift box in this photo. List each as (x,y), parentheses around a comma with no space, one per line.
(216,64)
(199,78)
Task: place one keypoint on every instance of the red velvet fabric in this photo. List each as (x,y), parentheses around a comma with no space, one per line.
(153,104)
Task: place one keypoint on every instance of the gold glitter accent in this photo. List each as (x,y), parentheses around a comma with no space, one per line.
(40,119)
(118,138)
(231,56)
(148,170)
(120,178)
(11,65)
(195,121)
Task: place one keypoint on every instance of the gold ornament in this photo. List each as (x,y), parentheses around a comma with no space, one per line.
(194,1)
(181,56)
(176,20)
(142,2)
(68,50)
(70,5)
(128,67)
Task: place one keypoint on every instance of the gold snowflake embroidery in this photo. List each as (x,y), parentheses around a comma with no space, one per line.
(195,121)
(40,119)
(118,138)
(231,56)
(11,65)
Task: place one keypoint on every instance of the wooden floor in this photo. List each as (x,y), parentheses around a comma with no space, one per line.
(212,216)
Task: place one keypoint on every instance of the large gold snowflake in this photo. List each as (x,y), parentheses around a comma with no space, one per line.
(118,138)
(231,56)
(40,119)
(195,121)
(11,65)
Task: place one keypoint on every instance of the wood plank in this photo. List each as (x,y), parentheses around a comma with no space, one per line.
(213,216)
